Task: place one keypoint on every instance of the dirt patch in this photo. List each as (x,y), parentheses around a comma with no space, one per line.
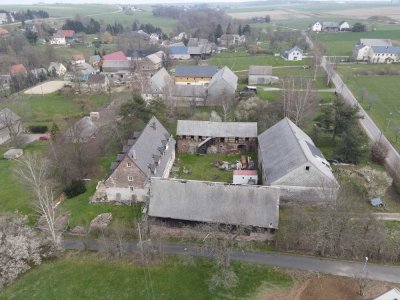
(46,88)
(311,286)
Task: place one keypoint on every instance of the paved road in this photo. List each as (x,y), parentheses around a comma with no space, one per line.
(368,125)
(308,263)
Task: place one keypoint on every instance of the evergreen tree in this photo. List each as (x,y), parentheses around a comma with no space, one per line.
(240,29)
(218,31)
(54,131)
(229,29)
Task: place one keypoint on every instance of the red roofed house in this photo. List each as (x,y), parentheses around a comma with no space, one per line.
(77,59)
(69,35)
(18,69)
(115,56)
(3,32)
(245,177)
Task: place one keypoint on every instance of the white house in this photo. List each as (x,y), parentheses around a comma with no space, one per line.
(58,39)
(384,55)
(317,27)
(245,177)
(344,26)
(362,50)
(59,68)
(293,54)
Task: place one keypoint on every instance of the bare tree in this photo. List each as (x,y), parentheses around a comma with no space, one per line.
(299,98)
(11,121)
(168,95)
(227,103)
(34,172)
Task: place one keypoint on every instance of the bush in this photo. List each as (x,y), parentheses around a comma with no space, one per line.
(379,153)
(38,129)
(76,188)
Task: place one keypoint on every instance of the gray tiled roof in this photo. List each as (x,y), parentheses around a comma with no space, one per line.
(375,42)
(150,143)
(178,50)
(81,130)
(386,50)
(285,147)
(160,79)
(214,202)
(260,70)
(195,71)
(225,74)
(216,129)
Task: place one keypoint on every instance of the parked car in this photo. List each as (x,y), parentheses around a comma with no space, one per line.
(44,138)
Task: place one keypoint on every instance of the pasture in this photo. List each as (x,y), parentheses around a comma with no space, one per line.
(77,276)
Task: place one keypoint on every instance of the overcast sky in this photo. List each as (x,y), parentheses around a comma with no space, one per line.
(128,1)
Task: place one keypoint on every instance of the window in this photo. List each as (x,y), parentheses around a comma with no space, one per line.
(129,165)
(184,137)
(307,168)
(192,137)
(222,140)
(130,178)
(236,140)
(247,139)
(131,188)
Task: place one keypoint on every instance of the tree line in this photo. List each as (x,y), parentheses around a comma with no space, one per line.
(91,27)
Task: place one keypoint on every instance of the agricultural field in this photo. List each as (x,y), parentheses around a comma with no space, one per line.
(77,276)
(201,167)
(378,94)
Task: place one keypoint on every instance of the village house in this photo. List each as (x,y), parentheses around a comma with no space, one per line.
(229,40)
(115,56)
(344,26)
(159,81)
(58,68)
(216,137)
(77,59)
(39,73)
(98,83)
(288,159)
(330,26)
(179,52)
(293,54)
(181,205)
(10,125)
(151,63)
(316,27)
(18,70)
(198,45)
(58,39)
(196,75)
(384,55)
(222,84)
(361,51)
(150,153)
(261,75)
(180,36)
(69,35)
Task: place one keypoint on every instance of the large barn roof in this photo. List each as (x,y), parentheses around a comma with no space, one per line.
(285,147)
(217,129)
(376,42)
(214,202)
(195,71)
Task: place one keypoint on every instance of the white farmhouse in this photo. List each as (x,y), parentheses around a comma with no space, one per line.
(58,68)
(293,54)
(362,50)
(344,26)
(384,55)
(58,39)
(317,27)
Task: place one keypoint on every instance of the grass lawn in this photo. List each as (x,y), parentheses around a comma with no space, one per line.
(241,60)
(385,111)
(13,195)
(201,167)
(77,276)
(46,108)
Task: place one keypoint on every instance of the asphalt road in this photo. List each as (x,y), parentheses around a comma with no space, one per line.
(307,263)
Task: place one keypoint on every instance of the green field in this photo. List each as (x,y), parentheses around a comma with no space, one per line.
(76,276)
(342,43)
(385,110)
(46,108)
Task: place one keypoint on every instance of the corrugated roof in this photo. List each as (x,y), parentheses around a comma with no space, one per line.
(386,50)
(195,71)
(285,147)
(176,50)
(260,70)
(214,202)
(375,42)
(216,129)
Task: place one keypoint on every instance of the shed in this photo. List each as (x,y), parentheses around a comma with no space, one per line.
(13,153)
(376,202)
(245,177)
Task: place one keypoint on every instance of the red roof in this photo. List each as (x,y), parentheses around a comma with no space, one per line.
(119,55)
(3,31)
(18,69)
(66,33)
(244,172)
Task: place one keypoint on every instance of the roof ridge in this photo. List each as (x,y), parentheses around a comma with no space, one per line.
(289,122)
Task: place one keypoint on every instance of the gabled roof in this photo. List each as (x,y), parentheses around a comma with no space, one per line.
(57,35)
(66,33)
(285,147)
(7,116)
(150,146)
(227,75)
(330,24)
(119,55)
(155,58)
(216,129)
(176,50)
(195,71)
(386,50)
(18,69)
(260,70)
(214,202)
(295,48)
(117,64)
(81,130)
(375,42)
(161,78)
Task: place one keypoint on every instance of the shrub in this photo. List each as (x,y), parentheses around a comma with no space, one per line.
(379,153)
(76,188)
(38,129)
